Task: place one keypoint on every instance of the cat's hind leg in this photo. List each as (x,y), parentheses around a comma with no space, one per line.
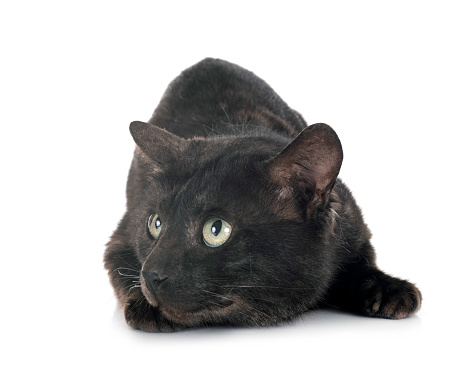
(366,290)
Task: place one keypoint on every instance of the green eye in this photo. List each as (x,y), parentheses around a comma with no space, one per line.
(154,226)
(216,232)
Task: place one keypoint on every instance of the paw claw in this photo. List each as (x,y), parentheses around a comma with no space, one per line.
(390,298)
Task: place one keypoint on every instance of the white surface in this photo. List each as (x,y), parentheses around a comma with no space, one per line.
(391,80)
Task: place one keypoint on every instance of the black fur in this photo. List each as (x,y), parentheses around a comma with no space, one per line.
(222,143)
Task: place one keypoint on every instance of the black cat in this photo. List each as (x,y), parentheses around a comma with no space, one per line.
(235,215)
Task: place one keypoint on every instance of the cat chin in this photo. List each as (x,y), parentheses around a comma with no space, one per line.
(205,315)
(191,316)
(196,316)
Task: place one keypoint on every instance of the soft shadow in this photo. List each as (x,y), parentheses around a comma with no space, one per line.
(322,321)
(331,317)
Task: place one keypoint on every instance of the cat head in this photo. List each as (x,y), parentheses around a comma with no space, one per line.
(229,228)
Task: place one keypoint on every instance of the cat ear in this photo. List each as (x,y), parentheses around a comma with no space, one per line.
(158,144)
(309,165)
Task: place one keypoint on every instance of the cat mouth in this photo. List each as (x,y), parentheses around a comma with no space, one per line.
(215,305)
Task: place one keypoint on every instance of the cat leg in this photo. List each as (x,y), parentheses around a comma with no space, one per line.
(124,274)
(366,290)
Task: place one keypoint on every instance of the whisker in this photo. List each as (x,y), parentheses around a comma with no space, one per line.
(218,295)
(120,257)
(141,300)
(228,118)
(124,268)
(274,287)
(127,275)
(250,316)
(130,277)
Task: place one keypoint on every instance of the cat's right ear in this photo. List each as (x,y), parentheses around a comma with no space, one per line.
(156,143)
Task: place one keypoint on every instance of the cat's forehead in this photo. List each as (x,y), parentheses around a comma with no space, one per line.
(221,174)
(224,156)
(234,149)
(223,165)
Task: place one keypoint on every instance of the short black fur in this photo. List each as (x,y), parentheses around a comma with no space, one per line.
(223,145)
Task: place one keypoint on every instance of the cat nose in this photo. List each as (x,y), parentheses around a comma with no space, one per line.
(153,281)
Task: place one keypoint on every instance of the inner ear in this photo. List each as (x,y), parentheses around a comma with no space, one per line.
(156,143)
(309,165)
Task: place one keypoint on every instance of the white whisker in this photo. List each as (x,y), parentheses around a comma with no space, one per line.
(275,287)
(127,275)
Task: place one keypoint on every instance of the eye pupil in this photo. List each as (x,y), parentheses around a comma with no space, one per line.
(216,232)
(154,226)
(216,227)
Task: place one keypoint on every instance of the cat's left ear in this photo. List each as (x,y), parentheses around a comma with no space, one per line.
(156,143)
(309,165)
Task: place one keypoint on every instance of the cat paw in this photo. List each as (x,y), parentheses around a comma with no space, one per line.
(141,315)
(390,298)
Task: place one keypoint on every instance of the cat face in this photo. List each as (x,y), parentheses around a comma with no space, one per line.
(227,227)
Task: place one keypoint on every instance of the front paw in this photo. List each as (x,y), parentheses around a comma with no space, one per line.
(388,297)
(139,314)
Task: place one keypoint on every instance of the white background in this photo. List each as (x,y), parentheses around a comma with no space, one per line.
(389,77)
